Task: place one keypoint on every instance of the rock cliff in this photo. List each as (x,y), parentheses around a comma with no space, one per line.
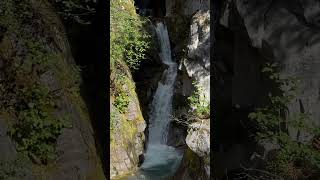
(127,124)
(45,129)
(189,30)
(274,31)
(127,135)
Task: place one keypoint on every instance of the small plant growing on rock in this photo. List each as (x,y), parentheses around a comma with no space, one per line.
(200,106)
(122,102)
(37,130)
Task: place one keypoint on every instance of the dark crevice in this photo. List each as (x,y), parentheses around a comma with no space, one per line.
(87,49)
(152,8)
(239,88)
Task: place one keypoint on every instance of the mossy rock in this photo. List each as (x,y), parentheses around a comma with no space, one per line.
(191,167)
(39,67)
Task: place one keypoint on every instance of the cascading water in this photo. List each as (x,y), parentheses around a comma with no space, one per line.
(161,160)
(161,106)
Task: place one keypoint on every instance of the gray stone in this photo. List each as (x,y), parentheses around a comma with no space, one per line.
(197,64)
(141,126)
(198,138)
(132,111)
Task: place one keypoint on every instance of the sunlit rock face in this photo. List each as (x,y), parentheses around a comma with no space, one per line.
(189,30)
(288,32)
(198,62)
(198,140)
(129,138)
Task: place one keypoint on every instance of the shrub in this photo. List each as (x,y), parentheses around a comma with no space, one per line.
(122,102)
(36,130)
(273,125)
(129,39)
(200,106)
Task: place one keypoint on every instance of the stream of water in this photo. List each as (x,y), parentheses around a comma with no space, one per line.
(161,161)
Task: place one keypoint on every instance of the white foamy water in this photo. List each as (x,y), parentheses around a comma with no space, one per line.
(162,160)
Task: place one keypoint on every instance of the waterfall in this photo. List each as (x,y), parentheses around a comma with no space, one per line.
(161,106)
(160,159)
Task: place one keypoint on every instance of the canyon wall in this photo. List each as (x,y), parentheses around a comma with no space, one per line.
(45,129)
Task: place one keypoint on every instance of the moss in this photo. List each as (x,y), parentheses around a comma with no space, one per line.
(194,165)
(124,133)
(127,39)
(29,50)
(193,161)
(98,175)
(129,130)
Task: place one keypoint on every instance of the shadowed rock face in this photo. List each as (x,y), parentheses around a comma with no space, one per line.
(251,33)
(155,9)
(77,155)
(8,151)
(186,7)
(285,32)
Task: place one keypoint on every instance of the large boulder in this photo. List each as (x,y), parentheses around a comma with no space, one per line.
(198,140)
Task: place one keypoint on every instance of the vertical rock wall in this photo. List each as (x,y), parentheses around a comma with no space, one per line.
(189,30)
(77,156)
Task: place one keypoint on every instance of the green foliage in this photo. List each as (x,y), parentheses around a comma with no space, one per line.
(198,103)
(37,130)
(36,126)
(122,102)
(273,125)
(129,39)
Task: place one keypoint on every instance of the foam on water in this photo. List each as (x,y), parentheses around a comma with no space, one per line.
(161,160)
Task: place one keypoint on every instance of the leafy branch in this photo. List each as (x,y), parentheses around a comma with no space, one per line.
(294,159)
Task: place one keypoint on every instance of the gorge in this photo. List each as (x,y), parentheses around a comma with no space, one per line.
(163,86)
(243,45)
(245,70)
